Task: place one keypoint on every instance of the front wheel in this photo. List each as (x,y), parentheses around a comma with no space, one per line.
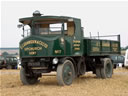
(26,78)
(65,73)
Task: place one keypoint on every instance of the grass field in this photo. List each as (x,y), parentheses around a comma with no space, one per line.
(87,85)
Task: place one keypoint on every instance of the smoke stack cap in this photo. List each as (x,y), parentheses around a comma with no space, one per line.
(36,13)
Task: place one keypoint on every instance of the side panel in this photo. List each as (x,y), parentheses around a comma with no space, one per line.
(77,49)
(93,47)
(68,46)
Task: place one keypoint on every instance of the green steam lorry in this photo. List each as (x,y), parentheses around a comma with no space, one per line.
(56,43)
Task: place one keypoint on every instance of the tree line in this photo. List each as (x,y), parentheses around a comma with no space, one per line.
(124,48)
(6,54)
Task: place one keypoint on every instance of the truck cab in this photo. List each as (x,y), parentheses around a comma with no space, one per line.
(51,36)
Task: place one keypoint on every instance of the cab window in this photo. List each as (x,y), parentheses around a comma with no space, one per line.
(45,29)
(70,29)
(42,28)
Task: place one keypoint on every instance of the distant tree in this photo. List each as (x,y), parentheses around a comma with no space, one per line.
(122,48)
(5,53)
(126,47)
(16,53)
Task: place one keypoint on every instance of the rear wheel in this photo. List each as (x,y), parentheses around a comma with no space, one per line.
(106,71)
(123,65)
(65,73)
(27,78)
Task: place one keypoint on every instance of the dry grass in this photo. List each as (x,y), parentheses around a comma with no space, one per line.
(87,85)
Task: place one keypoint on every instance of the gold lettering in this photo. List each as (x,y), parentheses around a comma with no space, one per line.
(106,44)
(32,53)
(76,49)
(34,42)
(115,49)
(114,45)
(76,41)
(97,43)
(76,45)
(57,51)
(95,49)
(32,48)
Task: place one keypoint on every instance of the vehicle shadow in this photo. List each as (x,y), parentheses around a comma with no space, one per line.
(51,80)
(84,77)
(48,81)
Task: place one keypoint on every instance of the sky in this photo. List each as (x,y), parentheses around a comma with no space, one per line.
(107,18)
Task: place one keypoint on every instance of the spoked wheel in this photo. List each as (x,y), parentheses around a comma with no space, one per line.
(106,71)
(26,78)
(65,73)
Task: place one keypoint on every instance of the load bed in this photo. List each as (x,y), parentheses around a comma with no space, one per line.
(99,47)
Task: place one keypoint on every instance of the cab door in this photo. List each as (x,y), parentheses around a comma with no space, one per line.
(68,36)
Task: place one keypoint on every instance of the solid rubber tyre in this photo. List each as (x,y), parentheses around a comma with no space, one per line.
(107,70)
(27,80)
(65,73)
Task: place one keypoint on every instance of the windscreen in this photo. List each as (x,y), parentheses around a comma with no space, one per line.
(45,29)
(54,28)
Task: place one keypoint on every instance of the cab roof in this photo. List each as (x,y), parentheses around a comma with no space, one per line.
(37,18)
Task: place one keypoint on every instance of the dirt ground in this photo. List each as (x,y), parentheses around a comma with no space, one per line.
(87,85)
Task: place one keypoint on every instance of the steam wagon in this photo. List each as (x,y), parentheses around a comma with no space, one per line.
(56,43)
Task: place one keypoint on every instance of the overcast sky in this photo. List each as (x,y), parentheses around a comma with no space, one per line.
(107,18)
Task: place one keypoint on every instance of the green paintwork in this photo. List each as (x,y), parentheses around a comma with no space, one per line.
(53,41)
(52,45)
(95,47)
(68,48)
